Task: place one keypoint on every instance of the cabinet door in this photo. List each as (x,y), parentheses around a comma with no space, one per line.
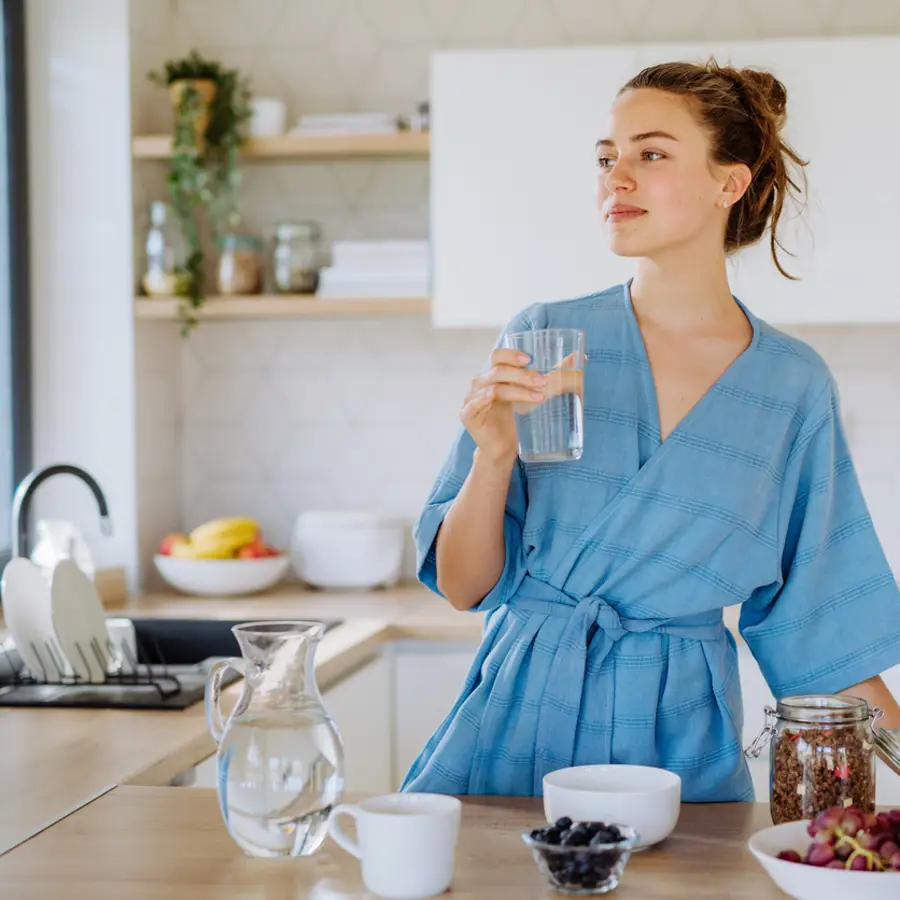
(513,213)
(427,683)
(360,705)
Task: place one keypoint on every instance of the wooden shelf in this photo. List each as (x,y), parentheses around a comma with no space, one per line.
(274,306)
(399,145)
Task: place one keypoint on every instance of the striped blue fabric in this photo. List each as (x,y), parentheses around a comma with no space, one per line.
(603,639)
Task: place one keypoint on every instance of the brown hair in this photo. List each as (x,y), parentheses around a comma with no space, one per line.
(744,111)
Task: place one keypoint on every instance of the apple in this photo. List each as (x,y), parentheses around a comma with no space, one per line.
(170,541)
(256,549)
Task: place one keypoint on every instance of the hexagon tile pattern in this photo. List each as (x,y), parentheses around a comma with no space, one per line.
(276,417)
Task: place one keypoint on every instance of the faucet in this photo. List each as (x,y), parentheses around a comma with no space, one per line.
(25,491)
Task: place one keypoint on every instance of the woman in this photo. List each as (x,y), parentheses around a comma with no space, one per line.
(715,472)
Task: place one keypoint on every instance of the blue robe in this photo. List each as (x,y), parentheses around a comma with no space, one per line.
(604,638)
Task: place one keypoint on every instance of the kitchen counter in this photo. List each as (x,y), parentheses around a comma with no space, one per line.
(52,759)
(171,844)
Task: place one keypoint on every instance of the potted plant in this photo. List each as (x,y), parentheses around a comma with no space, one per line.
(211,108)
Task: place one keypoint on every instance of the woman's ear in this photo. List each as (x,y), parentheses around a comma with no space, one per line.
(735,186)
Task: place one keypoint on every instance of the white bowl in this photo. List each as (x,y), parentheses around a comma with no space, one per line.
(222,577)
(334,549)
(646,798)
(812,883)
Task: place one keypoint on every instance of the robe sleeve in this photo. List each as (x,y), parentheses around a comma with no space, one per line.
(449,483)
(833,621)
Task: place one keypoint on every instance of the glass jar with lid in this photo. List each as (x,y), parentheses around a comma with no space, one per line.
(240,265)
(296,257)
(163,253)
(822,750)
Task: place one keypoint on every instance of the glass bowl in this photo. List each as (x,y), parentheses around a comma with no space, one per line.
(586,865)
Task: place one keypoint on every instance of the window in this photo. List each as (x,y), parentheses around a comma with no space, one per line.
(15,355)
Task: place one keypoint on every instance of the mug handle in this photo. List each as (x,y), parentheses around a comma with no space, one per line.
(338,833)
(214,719)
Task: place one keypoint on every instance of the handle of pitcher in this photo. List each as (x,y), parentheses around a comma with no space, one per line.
(214,718)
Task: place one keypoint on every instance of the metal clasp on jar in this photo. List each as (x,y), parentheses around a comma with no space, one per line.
(763,738)
(875,713)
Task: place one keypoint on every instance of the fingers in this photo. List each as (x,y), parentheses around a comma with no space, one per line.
(503,374)
(503,356)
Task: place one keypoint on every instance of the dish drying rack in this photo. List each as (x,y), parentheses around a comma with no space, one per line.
(125,669)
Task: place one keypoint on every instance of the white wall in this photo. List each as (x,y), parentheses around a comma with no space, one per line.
(257,435)
(81,219)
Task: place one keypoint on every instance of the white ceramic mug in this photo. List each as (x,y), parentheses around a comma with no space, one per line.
(406,842)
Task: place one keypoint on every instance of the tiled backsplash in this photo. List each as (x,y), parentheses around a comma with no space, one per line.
(270,418)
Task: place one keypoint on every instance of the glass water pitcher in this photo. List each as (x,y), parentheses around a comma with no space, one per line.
(280,759)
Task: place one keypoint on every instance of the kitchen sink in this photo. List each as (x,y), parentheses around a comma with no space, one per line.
(187,642)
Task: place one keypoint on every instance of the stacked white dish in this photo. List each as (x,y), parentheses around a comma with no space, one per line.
(323,125)
(374,269)
(331,549)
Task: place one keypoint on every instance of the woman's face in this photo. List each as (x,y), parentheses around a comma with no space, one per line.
(656,186)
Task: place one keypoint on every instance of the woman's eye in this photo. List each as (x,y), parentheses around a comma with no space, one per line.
(604,162)
(652,153)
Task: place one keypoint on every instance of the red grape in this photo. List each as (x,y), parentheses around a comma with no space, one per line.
(819,855)
(790,856)
(888,849)
(895,861)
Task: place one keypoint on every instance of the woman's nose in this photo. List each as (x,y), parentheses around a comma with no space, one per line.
(618,177)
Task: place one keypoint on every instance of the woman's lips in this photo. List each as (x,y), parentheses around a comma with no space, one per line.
(624,213)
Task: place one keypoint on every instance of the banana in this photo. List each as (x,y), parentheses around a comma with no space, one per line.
(222,538)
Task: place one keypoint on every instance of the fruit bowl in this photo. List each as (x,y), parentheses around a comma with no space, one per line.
(808,860)
(581,857)
(222,577)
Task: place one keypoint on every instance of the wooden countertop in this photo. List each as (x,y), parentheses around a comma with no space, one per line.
(52,760)
(171,844)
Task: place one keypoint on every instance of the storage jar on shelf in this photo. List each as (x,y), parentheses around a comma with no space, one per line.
(822,750)
(296,257)
(240,265)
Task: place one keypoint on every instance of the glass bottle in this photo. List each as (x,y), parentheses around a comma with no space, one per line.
(163,250)
(280,759)
(821,754)
(296,257)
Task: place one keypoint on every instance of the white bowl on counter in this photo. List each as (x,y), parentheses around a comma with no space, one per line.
(810,882)
(646,798)
(222,577)
(333,549)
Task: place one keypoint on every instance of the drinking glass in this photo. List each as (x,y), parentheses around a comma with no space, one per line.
(552,431)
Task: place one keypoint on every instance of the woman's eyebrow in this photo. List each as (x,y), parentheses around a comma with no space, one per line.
(635,138)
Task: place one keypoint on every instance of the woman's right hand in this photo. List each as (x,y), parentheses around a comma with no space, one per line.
(487,413)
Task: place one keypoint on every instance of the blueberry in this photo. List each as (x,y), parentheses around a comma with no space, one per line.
(602,837)
(563,823)
(552,835)
(614,831)
(577,836)
(538,834)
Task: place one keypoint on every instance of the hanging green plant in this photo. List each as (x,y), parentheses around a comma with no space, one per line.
(211,106)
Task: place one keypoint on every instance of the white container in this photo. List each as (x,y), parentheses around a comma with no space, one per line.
(331,549)
(268,117)
(646,798)
(812,883)
(222,577)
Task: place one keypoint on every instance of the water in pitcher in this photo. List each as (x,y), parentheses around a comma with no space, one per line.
(552,431)
(279,776)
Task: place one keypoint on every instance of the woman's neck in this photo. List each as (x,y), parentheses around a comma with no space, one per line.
(684,292)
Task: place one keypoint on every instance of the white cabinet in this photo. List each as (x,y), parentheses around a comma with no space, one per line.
(427,682)
(513,215)
(360,705)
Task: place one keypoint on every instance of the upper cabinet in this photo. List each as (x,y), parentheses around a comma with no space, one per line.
(513,179)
